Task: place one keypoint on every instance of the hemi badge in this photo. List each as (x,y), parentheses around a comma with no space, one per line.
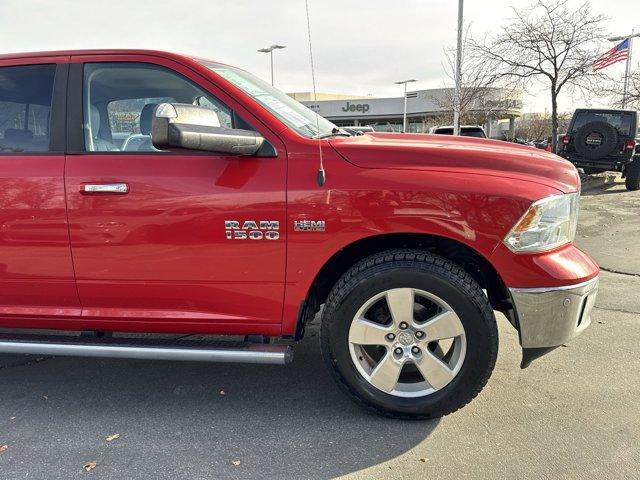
(308,225)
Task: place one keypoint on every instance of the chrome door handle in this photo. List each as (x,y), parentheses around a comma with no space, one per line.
(117,188)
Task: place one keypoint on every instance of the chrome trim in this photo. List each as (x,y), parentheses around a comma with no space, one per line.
(264,354)
(553,289)
(252,230)
(105,188)
(309,225)
(550,316)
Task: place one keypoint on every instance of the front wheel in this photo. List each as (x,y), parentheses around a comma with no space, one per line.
(632,178)
(409,334)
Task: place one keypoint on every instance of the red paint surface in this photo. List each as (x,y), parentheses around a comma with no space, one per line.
(157,259)
(36,274)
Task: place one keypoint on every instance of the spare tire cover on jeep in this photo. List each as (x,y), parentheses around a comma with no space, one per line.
(596,139)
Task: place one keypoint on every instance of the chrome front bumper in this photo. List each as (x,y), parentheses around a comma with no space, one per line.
(549,317)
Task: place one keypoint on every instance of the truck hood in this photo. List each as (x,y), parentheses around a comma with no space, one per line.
(467,154)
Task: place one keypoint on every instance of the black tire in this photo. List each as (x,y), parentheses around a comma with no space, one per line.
(632,178)
(428,272)
(608,140)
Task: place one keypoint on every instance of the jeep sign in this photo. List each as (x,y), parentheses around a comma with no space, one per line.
(356,107)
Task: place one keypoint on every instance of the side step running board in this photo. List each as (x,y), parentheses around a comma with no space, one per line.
(146,348)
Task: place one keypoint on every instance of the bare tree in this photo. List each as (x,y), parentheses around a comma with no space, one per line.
(477,77)
(479,85)
(551,40)
(536,127)
(616,90)
(633,95)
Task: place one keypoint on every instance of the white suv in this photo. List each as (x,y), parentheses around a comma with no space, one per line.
(465,130)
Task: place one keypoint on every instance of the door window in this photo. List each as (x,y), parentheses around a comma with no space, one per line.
(25,106)
(119,99)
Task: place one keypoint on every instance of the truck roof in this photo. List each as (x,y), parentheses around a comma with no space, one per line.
(100,51)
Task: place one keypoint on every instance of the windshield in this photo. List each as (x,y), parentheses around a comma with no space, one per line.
(291,112)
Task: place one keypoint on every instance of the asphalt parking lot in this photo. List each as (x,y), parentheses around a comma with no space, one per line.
(573,414)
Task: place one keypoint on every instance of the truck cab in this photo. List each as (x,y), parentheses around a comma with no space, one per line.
(149,193)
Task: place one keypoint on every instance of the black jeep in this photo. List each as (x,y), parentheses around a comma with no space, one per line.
(604,140)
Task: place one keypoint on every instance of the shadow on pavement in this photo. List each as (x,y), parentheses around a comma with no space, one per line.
(173,421)
(601,184)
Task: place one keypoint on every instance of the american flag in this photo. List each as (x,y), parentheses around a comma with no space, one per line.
(617,54)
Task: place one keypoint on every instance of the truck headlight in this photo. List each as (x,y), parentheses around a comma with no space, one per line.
(548,223)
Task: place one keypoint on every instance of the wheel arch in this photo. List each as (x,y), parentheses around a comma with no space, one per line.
(469,259)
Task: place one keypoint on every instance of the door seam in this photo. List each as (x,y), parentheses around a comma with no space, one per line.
(64,183)
(66,210)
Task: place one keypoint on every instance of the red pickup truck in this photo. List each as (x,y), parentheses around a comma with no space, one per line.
(145,192)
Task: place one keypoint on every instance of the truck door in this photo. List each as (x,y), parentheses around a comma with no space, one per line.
(36,272)
(153,233)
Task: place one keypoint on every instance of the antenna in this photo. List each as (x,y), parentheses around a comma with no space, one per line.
(322,177)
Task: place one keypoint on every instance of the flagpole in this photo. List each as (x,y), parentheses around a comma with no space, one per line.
(458,75)
(627,72)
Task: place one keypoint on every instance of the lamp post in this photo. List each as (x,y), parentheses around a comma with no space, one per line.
(627,71)
(404,115)
(270,50)
(456,100)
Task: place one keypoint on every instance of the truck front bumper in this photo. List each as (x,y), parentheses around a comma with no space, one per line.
(548,317)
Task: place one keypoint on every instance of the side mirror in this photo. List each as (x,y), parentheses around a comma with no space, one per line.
(181,125)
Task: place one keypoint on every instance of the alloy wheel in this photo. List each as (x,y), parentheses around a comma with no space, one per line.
(407,342)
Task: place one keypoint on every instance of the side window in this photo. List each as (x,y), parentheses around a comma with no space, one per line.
(119,99)
(224,114)
(124,115)
(25,105)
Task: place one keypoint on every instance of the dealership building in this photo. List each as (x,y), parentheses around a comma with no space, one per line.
(495,108)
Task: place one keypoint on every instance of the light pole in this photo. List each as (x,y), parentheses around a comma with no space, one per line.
(456,100)
(404,115)
(270,50)
(627,71)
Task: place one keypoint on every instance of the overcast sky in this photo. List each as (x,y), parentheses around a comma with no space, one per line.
(360,47)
